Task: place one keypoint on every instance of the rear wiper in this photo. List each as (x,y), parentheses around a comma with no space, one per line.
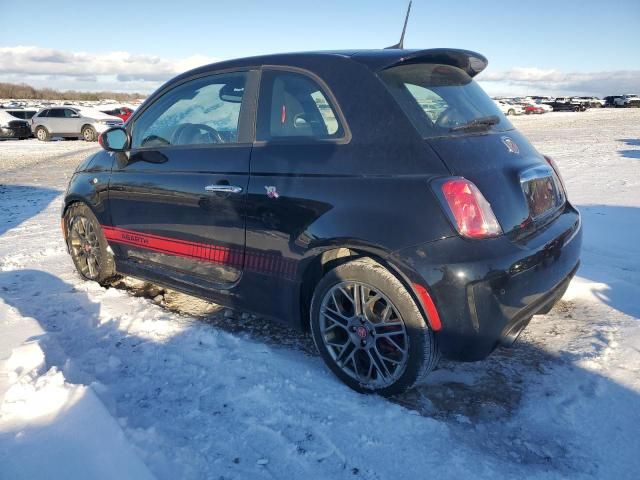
(481,122)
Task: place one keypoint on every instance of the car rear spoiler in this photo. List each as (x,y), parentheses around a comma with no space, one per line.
(471,62)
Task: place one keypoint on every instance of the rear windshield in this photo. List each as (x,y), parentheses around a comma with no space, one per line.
(439,99)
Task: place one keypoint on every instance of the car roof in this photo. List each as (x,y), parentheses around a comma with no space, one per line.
(376,60)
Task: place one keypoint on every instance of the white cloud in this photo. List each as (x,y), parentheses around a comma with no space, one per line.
(558,82)
(71,68)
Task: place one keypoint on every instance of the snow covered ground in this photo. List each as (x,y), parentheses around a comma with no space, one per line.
(137,382)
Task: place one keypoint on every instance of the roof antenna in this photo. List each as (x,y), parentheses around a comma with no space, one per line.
(400,44)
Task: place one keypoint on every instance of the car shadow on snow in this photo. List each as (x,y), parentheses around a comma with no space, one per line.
(169,391)
(632,153)
(611,255)
(18,203)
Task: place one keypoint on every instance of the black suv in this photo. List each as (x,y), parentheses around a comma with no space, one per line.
(377,198)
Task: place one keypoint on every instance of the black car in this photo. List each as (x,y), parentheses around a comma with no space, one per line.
(378,199)
(11,127)
(567,106)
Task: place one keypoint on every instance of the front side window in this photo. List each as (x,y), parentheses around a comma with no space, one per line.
(292,105)
(68,113)
(442,100)
(203,111)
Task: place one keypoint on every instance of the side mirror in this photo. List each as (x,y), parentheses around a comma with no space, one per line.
(115,139)
(75,115)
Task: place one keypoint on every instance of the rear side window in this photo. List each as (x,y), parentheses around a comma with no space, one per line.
(293,106)
(43,114)
(203,111)
(440,99)
(56,113)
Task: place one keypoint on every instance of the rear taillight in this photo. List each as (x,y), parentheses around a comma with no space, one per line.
(468,209)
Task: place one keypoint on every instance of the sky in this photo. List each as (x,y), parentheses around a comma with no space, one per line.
(559,47)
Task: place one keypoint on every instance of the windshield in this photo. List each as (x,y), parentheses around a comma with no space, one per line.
(443,100)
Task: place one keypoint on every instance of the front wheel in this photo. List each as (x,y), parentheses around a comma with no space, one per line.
(89,134)
(88,245)
(369,331)
(42,134)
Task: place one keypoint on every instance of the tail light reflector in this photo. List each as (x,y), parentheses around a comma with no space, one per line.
(469,210)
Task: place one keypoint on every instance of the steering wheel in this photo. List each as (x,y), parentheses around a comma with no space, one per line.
(186,132)
(449,117)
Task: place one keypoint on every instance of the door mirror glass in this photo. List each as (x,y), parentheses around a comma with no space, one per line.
(115,139)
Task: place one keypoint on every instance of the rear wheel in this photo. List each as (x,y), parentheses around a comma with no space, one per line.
(369,331)
(88,245)
(43,134)
(511,111)
(89,133)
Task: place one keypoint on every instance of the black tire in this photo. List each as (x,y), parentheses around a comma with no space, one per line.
(511,111)
(43,134)
(422,352)
(89,133)
(92,244)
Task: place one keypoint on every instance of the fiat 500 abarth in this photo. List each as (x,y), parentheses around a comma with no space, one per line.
(378,199)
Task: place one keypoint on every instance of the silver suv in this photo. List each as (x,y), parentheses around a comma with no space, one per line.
(71,122)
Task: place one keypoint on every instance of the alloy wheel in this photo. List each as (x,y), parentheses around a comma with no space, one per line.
(364,334)
(85,246)
(87,133)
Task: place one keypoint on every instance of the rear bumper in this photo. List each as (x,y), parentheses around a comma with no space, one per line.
(487,291)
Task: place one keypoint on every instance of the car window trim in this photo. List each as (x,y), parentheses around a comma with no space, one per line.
(302,140)
(246,118)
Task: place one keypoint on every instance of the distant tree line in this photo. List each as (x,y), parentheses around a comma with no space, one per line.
(27,92)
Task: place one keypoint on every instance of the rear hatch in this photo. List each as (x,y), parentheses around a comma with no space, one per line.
(476,141)
(516,180)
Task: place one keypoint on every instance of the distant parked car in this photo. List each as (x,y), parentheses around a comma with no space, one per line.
(610,101)
(509,108)
(546,107)
(11,127)
(530,108)
(71,122)
(627,100)
(559,105)
(121,112)
(593,102)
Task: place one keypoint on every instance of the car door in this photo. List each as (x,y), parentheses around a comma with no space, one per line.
(178,204)
(64,120)
(72,121)
(55,120)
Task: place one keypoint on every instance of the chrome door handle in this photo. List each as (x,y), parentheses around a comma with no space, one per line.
(223,188)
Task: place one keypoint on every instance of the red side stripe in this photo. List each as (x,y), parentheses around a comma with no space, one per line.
(256,261)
